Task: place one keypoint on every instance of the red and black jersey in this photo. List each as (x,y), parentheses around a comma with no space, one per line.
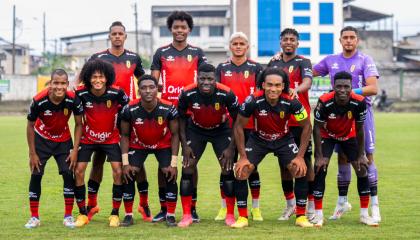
(177,68)
(51,120)
(101,114)
(207,112)
(339,121)
(242,80)
(298,68)
(126,67)
(271,122)
(149,130)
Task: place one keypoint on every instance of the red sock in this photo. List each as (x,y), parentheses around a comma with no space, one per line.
(128,206)
(68,206)
(34,205)
(163,204)
(116,204)
(243,212)
(186,204)
(289,195)
(81,204)
(92,199)
(230,205)
(310,197)
(364,201)
(171,207)
(318,204)
(300,210)
(255,193)
(144,199)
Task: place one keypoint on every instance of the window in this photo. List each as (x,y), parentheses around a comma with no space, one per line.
(301,6)
(304,51)
(216,31)
(326,13)
(268,27)
(305,36)
(195,31)
(326,43)
(164,31)
(301,20)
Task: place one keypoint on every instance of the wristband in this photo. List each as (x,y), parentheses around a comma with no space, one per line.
(125,159)
(358,91)
(174,161)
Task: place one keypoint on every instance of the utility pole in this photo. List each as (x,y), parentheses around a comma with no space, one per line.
(137,29)
(14,41)
(44,35)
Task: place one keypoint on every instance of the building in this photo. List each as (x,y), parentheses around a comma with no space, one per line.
(211,29)
(318,21)
(408,50)
(80,47)
(22,58)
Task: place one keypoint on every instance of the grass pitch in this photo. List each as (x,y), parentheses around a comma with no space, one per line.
(397,157)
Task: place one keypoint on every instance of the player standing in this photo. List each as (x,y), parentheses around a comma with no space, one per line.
(240,74)
(153,124)
(101,103)
(176,66)
(364,82)
(339,117)
(299,70)
(48,135)
(271,109)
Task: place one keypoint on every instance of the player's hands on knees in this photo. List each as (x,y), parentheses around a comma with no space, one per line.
(226,159)
(188,157)
(321,164)
(362,161)
(171,173)
(243,168)
(72,158)
(34,162)
(128,172)
(297,167)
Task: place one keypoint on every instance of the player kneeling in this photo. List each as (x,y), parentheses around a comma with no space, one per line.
(153,124)
(271,109)
(339,118)
(48,135)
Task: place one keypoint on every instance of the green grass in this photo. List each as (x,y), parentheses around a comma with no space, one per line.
(397,157)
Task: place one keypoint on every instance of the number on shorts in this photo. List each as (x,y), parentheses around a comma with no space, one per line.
(294,147)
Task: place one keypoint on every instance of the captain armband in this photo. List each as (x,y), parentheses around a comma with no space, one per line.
(302,115)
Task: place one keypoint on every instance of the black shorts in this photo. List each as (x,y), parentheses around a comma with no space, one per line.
(112,151)
(219,138)
(349,147)
(297,132)
(45,149)
(247,132)
(285,149)
(137,157)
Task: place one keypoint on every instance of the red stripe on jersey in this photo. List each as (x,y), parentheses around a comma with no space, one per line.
(124,77)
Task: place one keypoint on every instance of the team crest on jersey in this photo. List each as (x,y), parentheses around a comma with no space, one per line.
(352,68)
(217,106)
(189,58)
(349,115)
(160,120)
(108,103)
(290,69)
(128,64)
(246,74)
(281,114)
(66,112)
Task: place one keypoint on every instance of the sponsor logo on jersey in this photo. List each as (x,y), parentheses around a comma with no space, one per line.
(334,66)
(189,58)
(196,106)
(170,58)
(66,112)
(246,74)
(128,63)
(89,105)
(160,120)
(108,103)
(228,74)
(263,113)
(332,116)
(352,68)
(138,121)
(281,114)
(217,106)
(349,115)
(47,113)
(291,69)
